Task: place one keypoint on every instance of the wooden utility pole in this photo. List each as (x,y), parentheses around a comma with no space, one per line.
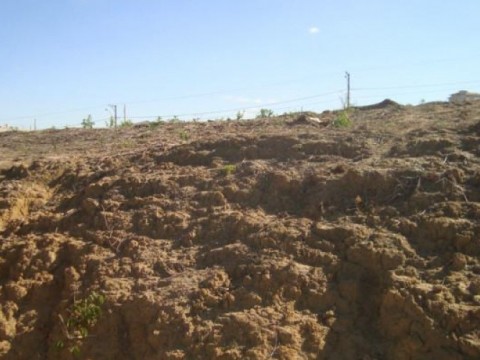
(114,107)
(347,76)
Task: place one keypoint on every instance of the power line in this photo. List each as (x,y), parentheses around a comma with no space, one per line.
(418,86)
(283,82)
(180,97)
(240,108)
(218,92)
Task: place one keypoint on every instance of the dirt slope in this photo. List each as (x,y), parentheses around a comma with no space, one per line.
(256,239)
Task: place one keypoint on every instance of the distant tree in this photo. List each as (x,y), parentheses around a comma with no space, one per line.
(88,123)
(265,113)
(240,115)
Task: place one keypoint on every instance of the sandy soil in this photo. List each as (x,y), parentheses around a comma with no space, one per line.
(265,239)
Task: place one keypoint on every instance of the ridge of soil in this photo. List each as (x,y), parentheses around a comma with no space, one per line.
(256,239)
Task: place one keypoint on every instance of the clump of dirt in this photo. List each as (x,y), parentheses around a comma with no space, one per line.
(245,239)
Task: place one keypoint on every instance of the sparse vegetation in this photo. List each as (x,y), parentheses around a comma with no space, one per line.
(88,123)
(343,119)
(184,135)
(229,169)
(157,122)
(126,144)
(238,223)
(240,115)
(265,113)
(82,316)
(126,123)
(110,123)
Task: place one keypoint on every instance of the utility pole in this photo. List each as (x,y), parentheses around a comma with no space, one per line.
(114,107)
(347,76)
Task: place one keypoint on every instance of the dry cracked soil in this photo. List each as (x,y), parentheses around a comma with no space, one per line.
(278,238)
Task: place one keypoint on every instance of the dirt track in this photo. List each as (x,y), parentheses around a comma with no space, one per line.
(245,239)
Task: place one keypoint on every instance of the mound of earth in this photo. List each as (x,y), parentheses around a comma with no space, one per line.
(381,105)
(245,239)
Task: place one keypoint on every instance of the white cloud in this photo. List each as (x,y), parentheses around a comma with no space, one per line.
(313,30)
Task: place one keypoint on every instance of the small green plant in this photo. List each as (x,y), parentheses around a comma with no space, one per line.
(126,123)
(157,122)
(88,123)
(229,169)
(82,316)
(184,135)
(174,120)
(126,144)
(265,113)
(240,115)
(343,119)
(110,123)
(75,350)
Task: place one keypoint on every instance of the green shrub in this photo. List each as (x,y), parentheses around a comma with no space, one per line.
(229,169)
(265,113)
(157,122)
(342,119)
(82,316)
(126,123)
(88,123)
(184,135)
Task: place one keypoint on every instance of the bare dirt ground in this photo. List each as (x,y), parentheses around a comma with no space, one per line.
(264,239)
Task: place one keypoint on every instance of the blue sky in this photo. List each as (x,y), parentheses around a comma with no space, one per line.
(64,59)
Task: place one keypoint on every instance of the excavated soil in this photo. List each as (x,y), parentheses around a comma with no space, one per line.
(262,239)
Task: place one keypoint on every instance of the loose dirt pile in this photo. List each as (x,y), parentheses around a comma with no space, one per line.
(245,239)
